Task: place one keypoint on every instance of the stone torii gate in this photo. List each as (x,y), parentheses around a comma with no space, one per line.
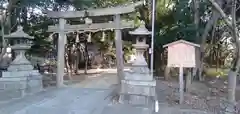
(62,28)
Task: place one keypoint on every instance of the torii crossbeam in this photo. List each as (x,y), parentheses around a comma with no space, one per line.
(95,12)
(89,27)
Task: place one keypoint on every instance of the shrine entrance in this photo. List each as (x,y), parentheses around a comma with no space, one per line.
(90,26)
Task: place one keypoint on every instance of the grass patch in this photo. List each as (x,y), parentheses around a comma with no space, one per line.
(217,72)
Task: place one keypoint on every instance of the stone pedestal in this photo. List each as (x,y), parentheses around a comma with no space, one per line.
(20,79)
(138,89)
(16,84)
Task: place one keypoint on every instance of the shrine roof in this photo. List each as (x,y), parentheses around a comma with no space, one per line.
(181,41)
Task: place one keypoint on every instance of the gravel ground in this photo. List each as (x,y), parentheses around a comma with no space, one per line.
(201,97)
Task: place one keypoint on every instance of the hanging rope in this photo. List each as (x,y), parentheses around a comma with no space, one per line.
(77,38)
(89,37)
(103,36)
(50,37)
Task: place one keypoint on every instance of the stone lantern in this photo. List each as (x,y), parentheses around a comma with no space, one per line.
(20,78)
(141,34)
(138,85)
(21,43)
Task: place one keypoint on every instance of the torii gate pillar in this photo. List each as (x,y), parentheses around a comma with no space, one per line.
(60,53)
(118,43)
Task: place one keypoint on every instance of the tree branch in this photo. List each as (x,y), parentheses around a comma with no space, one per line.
(221,12)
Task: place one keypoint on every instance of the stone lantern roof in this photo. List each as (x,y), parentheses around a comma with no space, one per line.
(141,30)
(19,34)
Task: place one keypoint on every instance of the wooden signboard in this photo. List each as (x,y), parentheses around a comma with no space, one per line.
(181,54)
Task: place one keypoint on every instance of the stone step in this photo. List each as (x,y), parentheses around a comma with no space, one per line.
(138,90)
(140,83)
(138,77)
(137,100)
(131,109)
(126,109)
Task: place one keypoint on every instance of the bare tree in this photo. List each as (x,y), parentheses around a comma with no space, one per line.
(231,22)
(210,25)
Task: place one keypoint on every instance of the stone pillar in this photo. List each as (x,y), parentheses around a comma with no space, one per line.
(60,53)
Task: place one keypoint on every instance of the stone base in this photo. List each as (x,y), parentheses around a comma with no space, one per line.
(11,89)
(137,100)
(16,87)
(142,90)
(141,93)
(140,100)
(20,74)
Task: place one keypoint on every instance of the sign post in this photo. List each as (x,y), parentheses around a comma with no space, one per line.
(181,54)
(181,88)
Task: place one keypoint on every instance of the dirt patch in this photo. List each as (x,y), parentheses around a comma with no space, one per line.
(208,96)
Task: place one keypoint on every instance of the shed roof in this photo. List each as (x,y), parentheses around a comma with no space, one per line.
(181,41)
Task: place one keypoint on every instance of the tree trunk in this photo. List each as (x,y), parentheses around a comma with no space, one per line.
(200,54)
(86,58)
(188,79)
(196,17)
(73,59)
(213,19)
(167,73)
(196,22)
(3,51)
(68,69)
(24,17)
(77,59)
(67,65)
(232,77)
(9,15)
(5,22)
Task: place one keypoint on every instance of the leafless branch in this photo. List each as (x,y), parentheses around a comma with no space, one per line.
(219,10)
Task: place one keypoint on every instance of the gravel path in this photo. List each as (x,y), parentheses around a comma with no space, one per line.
(90,96)
(61,101)
(100,81)
(82,98)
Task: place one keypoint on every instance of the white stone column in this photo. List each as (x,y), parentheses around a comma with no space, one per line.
(60,53)
(118,43)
